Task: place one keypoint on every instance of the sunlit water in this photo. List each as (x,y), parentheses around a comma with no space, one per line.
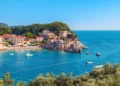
(24,68)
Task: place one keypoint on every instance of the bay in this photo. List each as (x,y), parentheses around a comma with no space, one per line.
(24,68)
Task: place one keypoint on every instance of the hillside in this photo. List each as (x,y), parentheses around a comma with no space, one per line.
(17,26)
(36,29)
(3,25)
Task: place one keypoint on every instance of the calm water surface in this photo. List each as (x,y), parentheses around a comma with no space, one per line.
(26,68)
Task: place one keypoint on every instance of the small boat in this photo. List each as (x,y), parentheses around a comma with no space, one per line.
(98,66)
(87,53)
(62,51)
(28,54)
(89,62)
(98,54)
(11,54)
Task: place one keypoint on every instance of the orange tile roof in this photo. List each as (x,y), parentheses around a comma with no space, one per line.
(20,36)
(39,36)
(9,35)
(1,36)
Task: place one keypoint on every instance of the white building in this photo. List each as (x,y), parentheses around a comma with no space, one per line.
(2,46)
(1,39)
(39,38)
(44,32)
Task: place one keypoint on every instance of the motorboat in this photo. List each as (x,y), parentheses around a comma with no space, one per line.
(28,54)
(98,66)
(11,54)
(89,62)
(98,54)
(87,53)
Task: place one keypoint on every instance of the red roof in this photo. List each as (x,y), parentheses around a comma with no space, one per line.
(39,36)
(1,36)
(20,36)
(9,35)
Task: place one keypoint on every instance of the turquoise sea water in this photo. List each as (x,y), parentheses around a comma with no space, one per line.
(26,68)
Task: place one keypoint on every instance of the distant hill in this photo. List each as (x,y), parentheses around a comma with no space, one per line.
(17,26)
(3,25)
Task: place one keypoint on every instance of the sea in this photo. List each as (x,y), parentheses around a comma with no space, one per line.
(25,68)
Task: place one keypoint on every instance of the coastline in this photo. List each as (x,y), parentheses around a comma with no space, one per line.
(21,48)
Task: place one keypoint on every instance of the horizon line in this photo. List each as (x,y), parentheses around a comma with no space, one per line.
(94,30)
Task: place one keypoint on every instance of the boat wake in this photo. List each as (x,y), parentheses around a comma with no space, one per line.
(33,68)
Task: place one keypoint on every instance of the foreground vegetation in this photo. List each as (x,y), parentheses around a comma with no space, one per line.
(107,76)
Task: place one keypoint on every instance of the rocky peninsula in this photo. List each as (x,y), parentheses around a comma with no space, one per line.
(56,36)
(63,42)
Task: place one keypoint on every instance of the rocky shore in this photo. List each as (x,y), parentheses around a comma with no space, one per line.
(68,46)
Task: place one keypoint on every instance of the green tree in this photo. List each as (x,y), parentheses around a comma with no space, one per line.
(29,35)
(108,68)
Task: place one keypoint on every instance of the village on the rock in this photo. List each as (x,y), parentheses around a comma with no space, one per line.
(46,40)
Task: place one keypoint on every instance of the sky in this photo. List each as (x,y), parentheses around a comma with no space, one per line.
(78,14)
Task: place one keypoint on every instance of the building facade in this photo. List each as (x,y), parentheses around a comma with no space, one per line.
(63,33)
